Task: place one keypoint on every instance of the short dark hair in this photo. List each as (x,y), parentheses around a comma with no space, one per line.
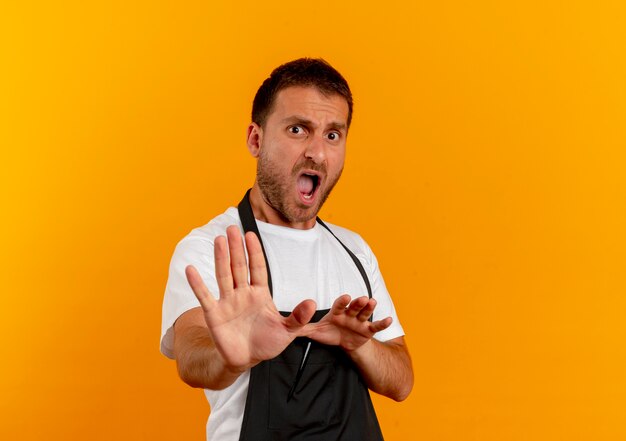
(314,72)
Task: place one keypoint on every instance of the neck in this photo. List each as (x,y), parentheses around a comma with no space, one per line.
(266,213)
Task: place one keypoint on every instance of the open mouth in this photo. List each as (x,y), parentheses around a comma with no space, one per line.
(307,185)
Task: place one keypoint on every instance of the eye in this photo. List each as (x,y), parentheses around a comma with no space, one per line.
(296,130)
(333,136)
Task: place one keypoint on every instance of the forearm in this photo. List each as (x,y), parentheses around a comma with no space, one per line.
(199,363)
(385,367)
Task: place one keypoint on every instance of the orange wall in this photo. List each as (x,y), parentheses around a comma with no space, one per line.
(486,167)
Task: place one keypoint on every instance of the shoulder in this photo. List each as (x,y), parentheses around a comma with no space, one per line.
(352,240)
(359,247)
(206,234)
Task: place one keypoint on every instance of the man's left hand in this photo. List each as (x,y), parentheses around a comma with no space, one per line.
(347,324)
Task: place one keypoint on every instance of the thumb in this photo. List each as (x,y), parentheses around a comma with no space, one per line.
(301,314)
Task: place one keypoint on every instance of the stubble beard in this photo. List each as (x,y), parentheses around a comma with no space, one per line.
(275,187)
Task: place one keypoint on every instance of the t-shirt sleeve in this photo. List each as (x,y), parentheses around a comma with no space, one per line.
(384,304)
(196,250)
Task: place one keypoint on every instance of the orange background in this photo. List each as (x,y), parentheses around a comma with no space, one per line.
(486,168)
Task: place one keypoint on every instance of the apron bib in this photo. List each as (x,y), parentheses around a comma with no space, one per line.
(311,391)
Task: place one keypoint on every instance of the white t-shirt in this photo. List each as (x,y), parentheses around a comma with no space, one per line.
(305,264)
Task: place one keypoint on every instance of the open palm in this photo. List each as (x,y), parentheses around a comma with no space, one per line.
(244,323)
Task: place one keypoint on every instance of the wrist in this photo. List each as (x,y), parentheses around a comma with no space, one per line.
(236,370)
(361,351)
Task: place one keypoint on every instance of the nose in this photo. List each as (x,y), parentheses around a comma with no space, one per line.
(316,150)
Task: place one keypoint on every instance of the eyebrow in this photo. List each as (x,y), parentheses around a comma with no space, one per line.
(307,122)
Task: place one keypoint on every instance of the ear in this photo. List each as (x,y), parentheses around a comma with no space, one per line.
(255,136)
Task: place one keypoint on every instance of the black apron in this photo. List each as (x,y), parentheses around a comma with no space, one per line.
(324,400)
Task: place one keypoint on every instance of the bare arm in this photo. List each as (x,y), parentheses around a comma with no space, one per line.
(216,343)
(385,366)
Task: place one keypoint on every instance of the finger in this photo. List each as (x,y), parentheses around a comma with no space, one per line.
(204,296)
(356,306)
(367,310)
(301,314)
(380,325)
(238,264)
(258,271)
(339,305)
(223,274)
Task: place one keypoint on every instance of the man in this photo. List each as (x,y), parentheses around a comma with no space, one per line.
(282,351)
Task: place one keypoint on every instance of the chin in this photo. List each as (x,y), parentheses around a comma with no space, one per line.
(302,214)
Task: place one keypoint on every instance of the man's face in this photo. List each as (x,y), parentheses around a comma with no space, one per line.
(302,151)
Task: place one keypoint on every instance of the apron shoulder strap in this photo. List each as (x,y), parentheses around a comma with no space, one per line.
(249,224)
(355,259)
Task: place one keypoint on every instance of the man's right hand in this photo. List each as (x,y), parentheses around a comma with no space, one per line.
(244,324)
